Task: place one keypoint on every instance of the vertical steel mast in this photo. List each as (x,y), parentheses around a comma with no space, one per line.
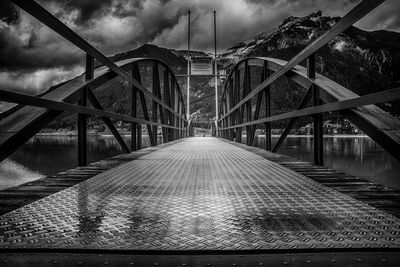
(215,74)
(188,71)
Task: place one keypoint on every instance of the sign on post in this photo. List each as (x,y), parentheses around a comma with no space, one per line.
(201,66)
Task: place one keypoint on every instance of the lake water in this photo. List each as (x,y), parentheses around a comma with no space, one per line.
(45,155)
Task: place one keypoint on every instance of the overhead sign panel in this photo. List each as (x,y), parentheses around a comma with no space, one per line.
(201,66)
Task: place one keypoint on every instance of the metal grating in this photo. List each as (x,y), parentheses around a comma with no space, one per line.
(199,194)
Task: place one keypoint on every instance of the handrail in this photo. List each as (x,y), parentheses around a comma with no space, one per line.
(13,97)
(349,19)
(171,106)
(375,98)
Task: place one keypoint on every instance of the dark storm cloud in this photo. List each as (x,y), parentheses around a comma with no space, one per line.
(89,9)
(30,53)
(86,9)
(8,12)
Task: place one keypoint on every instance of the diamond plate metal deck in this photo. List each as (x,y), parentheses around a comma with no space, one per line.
(199,194)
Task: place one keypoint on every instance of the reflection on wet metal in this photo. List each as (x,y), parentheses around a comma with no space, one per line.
(200,194)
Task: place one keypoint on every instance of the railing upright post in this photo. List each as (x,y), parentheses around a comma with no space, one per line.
(82,131)
(172,115)
(134,126)
(231,104)
(318,120)
(180,128)
(154,103)
(238,115)
(139,136)
(226,111)
(226,123)
(167,117)
(267,90)
(173,103)
(182,122)
(246,90)
(179,118)
(173,106)
(136,75)
(82,118)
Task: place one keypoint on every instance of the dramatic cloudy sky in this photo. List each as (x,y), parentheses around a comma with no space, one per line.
(32,57)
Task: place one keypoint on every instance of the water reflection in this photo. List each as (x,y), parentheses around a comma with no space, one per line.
(12,173)
(356,155)
(46,155)
(91,214)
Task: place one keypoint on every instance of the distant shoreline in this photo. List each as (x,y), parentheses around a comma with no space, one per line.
(127,133)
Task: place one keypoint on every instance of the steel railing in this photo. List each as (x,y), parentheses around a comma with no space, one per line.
(237,111)
(166,101)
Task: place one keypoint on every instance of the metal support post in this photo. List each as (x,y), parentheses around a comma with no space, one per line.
(188,73)
(318,119)
(216,74)
(268,128)
(154,103)
(134,126)
(82,118)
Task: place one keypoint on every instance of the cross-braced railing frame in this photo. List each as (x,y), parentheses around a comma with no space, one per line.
(167,109)
(236,103)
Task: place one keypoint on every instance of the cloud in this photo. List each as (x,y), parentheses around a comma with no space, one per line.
(28,46)
(37,81)
(8,12)
(239,19)
(29,50)
(386,16)
(83,10)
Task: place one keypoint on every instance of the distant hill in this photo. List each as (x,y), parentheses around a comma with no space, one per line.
(362,61)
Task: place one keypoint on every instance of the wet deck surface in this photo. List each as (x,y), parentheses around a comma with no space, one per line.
(199,194)
(15,197)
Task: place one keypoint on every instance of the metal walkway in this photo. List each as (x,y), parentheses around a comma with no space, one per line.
(199,194)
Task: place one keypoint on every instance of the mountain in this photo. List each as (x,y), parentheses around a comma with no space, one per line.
(376,50)
(115,95)
(371,60)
